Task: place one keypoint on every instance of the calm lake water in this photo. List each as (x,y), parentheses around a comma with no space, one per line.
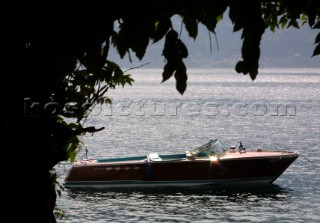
(280,110)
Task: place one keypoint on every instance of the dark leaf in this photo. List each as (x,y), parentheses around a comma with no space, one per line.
(245,68)
(169,50)
(161,28)
(317,25)
(312,12)
(121,40)
(241,67)
(311,19)
(168,70)
(253,74)
(171,36)
(293,23)
(303,19)
(182,50)
(237,27)
(139,43)
(93,59)
(181,77)
(105,51)
(317,38)
(316,51)
(254,27)
(191,26)
(283,21)
(209,22)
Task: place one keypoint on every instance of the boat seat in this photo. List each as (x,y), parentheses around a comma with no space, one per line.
(190,154)
(154,157)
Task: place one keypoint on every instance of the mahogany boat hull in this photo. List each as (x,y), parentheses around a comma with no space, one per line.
(261,167)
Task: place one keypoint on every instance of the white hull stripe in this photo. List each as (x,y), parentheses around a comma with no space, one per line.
(108,184)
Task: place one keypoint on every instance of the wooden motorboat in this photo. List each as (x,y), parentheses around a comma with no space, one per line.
(211,163)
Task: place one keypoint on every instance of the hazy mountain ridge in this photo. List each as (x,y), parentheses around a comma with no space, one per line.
(285,48)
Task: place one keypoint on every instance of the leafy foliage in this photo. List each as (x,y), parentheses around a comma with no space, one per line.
(174,51)
(248,16)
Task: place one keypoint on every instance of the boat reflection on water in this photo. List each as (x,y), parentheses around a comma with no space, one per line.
(173,204)
(232,193)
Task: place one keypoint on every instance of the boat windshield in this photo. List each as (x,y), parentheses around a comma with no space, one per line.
(212,148)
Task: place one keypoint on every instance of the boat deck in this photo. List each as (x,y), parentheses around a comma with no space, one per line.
(257,153)
(182,157)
